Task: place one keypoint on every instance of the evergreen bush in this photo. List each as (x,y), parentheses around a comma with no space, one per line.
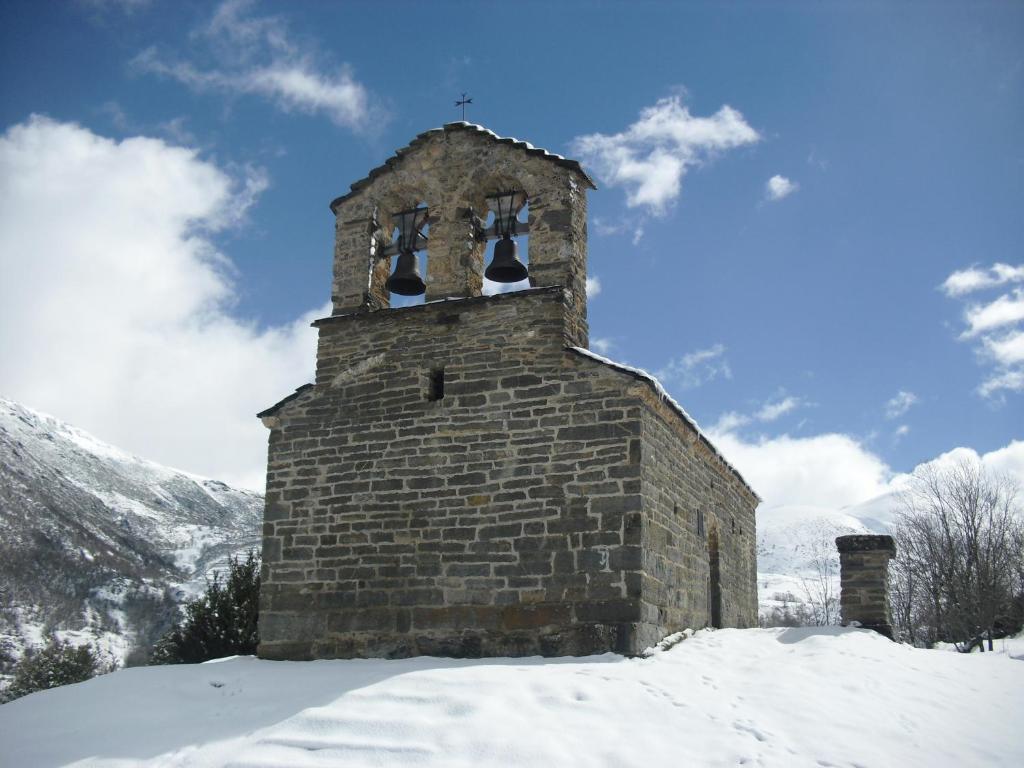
(59,663)
(221,622)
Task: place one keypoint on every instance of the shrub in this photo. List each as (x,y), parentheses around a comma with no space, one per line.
(59,663)
(221,622)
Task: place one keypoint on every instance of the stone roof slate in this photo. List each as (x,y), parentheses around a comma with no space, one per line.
(358,186)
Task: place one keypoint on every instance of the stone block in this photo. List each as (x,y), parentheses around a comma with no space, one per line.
(531,616)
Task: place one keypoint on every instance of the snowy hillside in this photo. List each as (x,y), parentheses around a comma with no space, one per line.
(795,550)
(780,697)
(101,545)
(796,547)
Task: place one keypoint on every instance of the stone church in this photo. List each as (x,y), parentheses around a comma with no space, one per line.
(464,478)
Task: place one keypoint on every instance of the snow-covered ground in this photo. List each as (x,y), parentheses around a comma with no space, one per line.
(1011,646)
(775,697)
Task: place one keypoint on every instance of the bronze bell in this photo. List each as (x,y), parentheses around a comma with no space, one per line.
(506,267)
(406,280)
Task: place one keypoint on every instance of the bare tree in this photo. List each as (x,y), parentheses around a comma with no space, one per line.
(959,565)
(820,585)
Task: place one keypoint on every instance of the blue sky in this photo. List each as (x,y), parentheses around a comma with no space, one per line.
(808,221)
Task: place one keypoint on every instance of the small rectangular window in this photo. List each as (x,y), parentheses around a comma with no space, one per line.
(700,523)
(436,390)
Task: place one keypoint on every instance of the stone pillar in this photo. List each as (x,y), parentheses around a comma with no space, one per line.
(864,569)
(558,249)
(358,275)
(455,257)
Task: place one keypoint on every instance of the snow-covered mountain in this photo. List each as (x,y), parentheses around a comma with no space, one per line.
(97,544)
(797,560)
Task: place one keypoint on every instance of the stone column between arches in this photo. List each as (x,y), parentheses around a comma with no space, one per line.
(454,256)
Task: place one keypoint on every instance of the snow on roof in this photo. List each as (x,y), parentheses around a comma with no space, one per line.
(640,373)
(526,146)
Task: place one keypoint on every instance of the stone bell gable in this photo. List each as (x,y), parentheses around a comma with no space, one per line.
(463,477)
(451,170)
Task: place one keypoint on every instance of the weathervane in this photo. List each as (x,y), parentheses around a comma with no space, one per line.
(462,103)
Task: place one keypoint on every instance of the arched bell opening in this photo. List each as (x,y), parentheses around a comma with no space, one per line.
(507,262)
(406,256)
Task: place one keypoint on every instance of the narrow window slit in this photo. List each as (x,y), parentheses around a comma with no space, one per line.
(436,391)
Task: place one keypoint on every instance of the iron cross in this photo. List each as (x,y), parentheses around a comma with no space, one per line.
(462,103)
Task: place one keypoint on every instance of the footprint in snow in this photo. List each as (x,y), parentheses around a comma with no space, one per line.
(745,727)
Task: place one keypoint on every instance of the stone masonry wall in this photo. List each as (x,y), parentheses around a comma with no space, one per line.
(680,478)
(502,519)
(546,504)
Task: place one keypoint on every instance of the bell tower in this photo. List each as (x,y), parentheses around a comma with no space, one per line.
(447,181)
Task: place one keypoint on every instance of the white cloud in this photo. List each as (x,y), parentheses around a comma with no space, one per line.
(815,160)
(651,156)
(1005,310)
(778,187)
(834,470)
(1006,350)
(997,324)
(696,368)
(772,411)
(768,412)
(901,431)
(900,404)
(1008,460)
(256,56)
(605,229)
(633,224)
(730,421)
(974,279)
(593,286)
(1002,381)
(831,470)
(602,346)
(116,305)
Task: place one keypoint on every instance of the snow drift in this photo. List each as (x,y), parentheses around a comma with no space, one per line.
(775,697)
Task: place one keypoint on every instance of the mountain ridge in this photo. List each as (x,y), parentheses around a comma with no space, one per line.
(101,546)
